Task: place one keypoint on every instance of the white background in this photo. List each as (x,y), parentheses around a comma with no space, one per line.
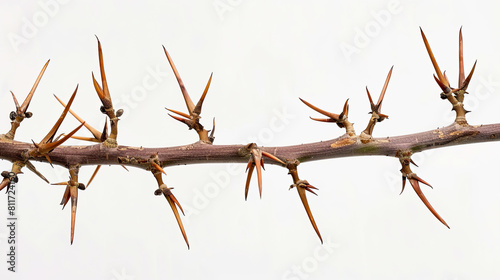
(264,55)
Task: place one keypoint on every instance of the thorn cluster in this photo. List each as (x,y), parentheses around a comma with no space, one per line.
(192,120)
(256,161)
(157,170)
(454,95)
(405,160)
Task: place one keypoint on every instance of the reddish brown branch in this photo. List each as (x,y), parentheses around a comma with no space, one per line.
(199,152)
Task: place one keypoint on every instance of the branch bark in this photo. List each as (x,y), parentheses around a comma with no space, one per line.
(199,152)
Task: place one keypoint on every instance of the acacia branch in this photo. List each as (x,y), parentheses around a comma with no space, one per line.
(200,152)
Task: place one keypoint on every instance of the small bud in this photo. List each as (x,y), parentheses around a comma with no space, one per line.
(5,174)
(103,110)
(28,114)
(158,192)
(12,115)
(443,95)
(81,186)
(119,113)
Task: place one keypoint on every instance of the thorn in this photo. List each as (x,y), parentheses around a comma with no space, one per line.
(157,167)
(433,59)
(345,110)
(105,90)
(95,132)
(179,113)
(335,117)
(303,198)
(172,203)
(271,156)
(322,119)
(443,87)
(461,74)
(45,148)
(197,108)
(93,175)
(250,167)
(187,99)
(180,119)
(98,88)
(5,182)
(404,183)
(416,187)
(33,169)
(74,200)
(104,134)
(382,94)
(469,77)
(66,195)
(48,138)
(15,102)
(27,101)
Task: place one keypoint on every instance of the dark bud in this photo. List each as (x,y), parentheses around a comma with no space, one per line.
(28,115)
(12,115)
(13,177)
(5,174)
(443,95)
(103,110)
(158,192)
(119,113)
(81,186)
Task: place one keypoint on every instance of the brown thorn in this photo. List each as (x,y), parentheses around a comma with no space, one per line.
(179,119)
(105,90)
(370,98)
(404,183)
(323,120)
(48,138)
(433,59)
(187,99)
(92,130)
(323,112)
(15,101)
(303,198)
(382,94)
(27,101)
(93,175)
(345,110)
(416,187)
(179,113)
(469,77)
(50,146)
(197,108)
(271,156)
(461,74)
(250,167)
(177,217)
(66,195)
(74,200)
(443,87)
(157,167)
(33,169)
(97,87)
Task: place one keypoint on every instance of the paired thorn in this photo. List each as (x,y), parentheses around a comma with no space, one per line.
(457,98)
(21,111)
(256,161)
(171,199)
(191,119)
(9,177)
(302,186)
(377,116)
(414,181)
(48,143)
(71,193)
